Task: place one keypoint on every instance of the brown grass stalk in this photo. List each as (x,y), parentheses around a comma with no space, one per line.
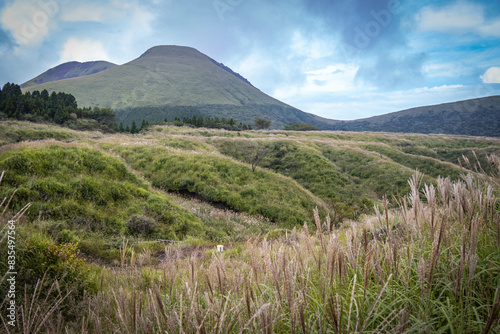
(435,252)
(375,304)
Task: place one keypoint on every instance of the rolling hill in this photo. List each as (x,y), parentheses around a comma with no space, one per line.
(175,81)
(475,117)
(72,69)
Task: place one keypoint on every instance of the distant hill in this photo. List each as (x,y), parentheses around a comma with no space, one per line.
(68,70)
(176,81)
(475,117)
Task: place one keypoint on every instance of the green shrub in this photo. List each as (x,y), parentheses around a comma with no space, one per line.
(141,225)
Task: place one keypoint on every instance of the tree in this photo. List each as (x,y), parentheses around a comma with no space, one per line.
(253,153)
(262,123)
(134,129)
(61,115)
(120,128)
(300,127)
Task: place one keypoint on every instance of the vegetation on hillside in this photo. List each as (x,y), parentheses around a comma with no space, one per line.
(84,195)
(430,264)
(262,123)
(220,180)
(212,123)
(475,117)
(300,127)
(424,258)
(12,131)
(59,108)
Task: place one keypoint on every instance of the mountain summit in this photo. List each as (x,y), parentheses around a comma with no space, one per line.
(176,81)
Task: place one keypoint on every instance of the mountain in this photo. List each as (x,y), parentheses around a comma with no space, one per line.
(475,117)
(68,70)
(176,81)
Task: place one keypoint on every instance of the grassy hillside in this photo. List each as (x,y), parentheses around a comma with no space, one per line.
(15,131)
(429,262)
(475,117)
(174,81)
(220,180)
(68,70)
(343,173)
(85,195)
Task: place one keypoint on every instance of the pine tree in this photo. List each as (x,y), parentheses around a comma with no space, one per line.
(134,129)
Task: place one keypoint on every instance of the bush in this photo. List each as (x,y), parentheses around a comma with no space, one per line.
(141,225)
(300,127)
(39,256)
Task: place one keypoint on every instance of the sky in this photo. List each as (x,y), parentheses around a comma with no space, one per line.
(339,59)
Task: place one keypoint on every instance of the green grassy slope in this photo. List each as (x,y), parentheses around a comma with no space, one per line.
(220,180)
(15,131)
(343,173)
(85,194)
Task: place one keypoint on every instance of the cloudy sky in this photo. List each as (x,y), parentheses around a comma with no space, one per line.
(341,59)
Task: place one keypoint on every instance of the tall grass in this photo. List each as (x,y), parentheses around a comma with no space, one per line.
(431,265)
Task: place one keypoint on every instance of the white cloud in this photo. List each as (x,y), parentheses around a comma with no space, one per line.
(337,78)
(30,21)
(125,24)
(312,48)
(450,70)
(491,29)
(115,12)
(492,75)
(85,13)
(82,50)
(459,17)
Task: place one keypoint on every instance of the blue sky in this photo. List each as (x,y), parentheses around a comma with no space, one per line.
(341,59)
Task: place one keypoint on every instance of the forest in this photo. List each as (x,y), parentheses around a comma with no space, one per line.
(60,108)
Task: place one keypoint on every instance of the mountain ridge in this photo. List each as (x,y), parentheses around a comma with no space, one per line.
(474,117)
(71,69)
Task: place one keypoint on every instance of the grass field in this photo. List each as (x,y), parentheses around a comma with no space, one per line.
(312,244)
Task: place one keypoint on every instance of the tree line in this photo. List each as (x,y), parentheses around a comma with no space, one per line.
(62,108)
(215,123)
(196,122)
(58,108)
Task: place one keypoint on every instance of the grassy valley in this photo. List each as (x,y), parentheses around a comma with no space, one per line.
(123,228)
